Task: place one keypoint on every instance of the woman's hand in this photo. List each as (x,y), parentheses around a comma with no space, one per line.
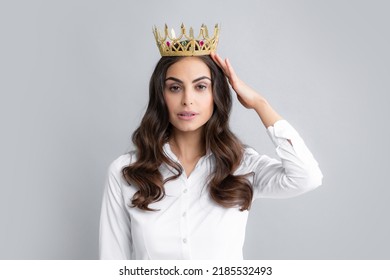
(246,95)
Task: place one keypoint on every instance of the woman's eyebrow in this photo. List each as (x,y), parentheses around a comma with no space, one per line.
(200,78)
(174,79)
(181,82)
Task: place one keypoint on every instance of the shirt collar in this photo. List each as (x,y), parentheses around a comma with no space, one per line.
(168,151)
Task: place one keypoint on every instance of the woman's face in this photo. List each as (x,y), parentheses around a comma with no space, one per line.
(188,94)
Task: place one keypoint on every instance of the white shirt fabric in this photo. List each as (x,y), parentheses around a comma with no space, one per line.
(189,224)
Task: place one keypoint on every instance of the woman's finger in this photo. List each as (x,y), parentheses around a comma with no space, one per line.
(221,63)
(214,57)
(230,69)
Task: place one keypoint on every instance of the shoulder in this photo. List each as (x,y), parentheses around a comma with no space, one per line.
(119,163)
(252,161)
(250,154)
(249,151)
(250,158)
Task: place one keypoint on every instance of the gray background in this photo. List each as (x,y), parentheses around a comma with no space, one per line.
(74,81)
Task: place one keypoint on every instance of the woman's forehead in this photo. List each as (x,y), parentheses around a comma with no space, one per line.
(189,68)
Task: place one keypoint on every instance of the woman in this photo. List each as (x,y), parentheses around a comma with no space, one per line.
(185,192)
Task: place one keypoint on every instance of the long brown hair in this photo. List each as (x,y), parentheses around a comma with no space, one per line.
(154,131)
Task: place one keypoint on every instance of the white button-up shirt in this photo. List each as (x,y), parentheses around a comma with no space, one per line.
(189,224)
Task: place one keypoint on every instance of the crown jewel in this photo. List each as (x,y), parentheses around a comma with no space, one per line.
(186,44)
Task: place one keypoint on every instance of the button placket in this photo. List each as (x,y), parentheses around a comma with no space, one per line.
(183,219)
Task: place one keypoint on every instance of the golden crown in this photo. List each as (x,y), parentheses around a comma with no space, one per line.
(186,45)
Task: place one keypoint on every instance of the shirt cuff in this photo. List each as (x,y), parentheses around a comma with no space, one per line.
(282,131)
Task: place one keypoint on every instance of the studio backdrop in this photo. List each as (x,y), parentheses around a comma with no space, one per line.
(74,85)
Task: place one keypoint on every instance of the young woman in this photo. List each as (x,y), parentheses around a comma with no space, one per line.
(185,191)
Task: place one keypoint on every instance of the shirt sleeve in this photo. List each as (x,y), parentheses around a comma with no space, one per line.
(115,236)
(295,173)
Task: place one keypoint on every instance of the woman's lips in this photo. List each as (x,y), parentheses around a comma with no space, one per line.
(187,115)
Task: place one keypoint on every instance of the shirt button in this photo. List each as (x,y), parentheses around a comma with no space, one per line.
(184,240)
(185,191)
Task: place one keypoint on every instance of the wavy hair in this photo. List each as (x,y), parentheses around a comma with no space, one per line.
(225,189)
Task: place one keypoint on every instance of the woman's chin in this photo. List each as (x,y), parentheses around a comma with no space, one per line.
(188,128)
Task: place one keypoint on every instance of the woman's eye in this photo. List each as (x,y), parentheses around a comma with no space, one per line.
(174,88)
(201,87)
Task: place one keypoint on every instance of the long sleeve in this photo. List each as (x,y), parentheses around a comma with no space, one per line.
(115,236)
(295,173)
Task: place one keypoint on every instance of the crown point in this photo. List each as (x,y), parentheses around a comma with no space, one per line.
(183,29)
(173,34)
(186,44)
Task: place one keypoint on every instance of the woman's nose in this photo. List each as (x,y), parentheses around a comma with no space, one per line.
(187,98)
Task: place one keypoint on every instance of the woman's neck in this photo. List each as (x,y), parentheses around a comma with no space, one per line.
(188,146)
